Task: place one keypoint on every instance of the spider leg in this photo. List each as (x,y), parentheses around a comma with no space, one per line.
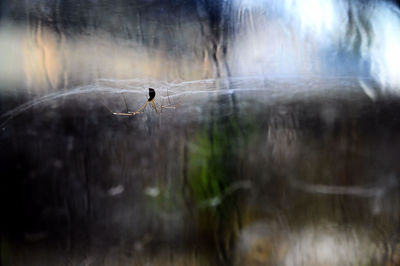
(175,106)
(108,108)
(125,114)
(128,113)
(126,105)
(169,101)
(167,106)
(154,106)
(159,106)
(141,108)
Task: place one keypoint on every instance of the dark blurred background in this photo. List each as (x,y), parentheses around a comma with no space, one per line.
(282,147)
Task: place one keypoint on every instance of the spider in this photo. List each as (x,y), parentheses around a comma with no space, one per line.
(151,100)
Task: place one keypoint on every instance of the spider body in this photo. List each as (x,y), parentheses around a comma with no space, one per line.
(152,94)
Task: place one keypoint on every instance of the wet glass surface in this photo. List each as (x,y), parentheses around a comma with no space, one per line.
(274,137)
(245,175)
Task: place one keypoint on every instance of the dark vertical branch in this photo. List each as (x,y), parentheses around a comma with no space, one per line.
(215,29)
